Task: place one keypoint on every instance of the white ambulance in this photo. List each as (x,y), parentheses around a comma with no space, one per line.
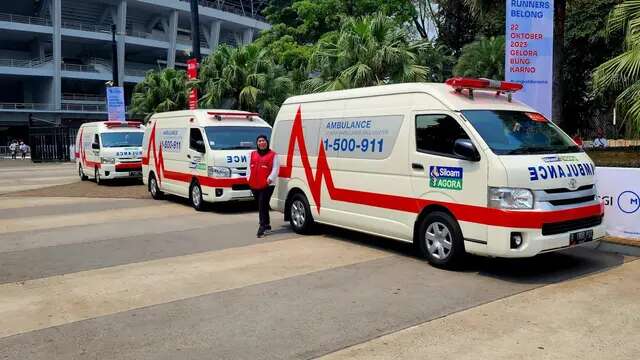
(200,154)
(453,168)
(109,150)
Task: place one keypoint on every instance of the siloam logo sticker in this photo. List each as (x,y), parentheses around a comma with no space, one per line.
(445,177)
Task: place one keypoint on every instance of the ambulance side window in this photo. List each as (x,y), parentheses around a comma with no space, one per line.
(437,134)
(196,141)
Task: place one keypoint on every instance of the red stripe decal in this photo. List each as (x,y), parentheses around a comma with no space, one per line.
(470,213)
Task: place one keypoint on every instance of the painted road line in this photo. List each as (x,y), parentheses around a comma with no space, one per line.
(24,202)
(595,317)
(129,228)
(88,218)
(57,300)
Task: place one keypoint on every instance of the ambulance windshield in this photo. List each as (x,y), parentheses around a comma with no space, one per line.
(518,133)
(235,137)
(122,139)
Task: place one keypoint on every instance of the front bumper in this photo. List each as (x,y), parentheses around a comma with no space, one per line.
(223,194)
(534,242)
(117,171)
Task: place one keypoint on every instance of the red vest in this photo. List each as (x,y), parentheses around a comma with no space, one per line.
(261,166)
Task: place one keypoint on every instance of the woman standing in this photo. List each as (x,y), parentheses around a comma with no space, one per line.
(262,173)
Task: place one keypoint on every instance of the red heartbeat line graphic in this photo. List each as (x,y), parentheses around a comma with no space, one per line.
(83,154)
(462,212)
(158,159)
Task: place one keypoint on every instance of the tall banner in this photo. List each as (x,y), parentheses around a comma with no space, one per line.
(619,189)
(529,51)
(115,103)
(192,74)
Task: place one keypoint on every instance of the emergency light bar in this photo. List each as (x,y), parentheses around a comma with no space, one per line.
(470,84)
(112,124)
(219,115)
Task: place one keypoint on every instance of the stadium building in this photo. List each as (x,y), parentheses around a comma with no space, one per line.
(56,55)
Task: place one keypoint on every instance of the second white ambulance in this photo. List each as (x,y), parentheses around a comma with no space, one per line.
(453,168)
(201,155)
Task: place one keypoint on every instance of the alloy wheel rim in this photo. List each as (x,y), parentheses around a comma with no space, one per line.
(195,195)
(298,213)
(439,240)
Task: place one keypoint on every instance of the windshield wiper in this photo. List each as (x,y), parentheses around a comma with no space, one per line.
(531,150)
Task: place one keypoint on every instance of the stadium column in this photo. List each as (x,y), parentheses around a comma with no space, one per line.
(121,28)
(56,11)
(247,36)
(213,39)
(173,37)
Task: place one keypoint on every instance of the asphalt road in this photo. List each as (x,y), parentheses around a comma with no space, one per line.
(105,278)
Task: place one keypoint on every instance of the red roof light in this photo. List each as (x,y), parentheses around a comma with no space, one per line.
(112,124)
(460,83)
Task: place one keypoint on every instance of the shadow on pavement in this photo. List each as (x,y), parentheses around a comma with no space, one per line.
(542,269)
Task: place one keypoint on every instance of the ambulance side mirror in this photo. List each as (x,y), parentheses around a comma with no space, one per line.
(95,146)
(465,149)
(200,147)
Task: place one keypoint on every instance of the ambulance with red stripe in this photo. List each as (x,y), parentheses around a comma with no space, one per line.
(109,150)
(454,168)
(201,155)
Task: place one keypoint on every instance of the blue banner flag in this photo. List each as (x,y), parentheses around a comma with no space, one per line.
(115,103)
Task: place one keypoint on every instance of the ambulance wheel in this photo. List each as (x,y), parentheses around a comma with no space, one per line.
(154,189)
(83,177)
(440,240)
(195,195)
(96,175)
(300,216)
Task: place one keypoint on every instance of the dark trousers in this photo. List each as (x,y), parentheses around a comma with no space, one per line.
(263,196)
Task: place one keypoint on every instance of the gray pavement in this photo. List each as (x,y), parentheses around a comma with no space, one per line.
(21,175)
(84,278)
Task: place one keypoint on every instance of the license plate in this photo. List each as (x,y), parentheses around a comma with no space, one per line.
(581,237)
(135,173)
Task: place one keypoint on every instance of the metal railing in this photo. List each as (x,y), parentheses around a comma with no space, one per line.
(232,8)
(84,107)
(79,68)
(135,72)
(82,97)
(25,19)
(76,25)
(26,106)
(22,63)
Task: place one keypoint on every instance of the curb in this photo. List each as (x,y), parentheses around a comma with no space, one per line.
(620,246)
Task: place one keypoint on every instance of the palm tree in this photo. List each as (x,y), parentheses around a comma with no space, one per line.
(160,91)
(364,52)
(622,73)
(482,58)
(244,78)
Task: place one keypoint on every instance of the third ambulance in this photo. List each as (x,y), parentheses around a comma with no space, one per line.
(108,150)
(201,155)
(454,168)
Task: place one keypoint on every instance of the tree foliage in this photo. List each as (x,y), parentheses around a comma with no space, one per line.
(621,74)
(160,91)
(366,51)
(482,58)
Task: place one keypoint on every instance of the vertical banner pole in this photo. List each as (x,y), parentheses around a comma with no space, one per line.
(529,52)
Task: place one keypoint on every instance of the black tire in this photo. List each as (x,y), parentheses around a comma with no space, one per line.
(444,232)
(300,216)
(154,189)
(83,177)
(195,196)
(96,176)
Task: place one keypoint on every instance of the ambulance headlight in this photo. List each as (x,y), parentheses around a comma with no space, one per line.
(107,160)
(510,198)
(219,171)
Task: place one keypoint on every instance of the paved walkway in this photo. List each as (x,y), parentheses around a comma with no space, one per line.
(21,175)
(596,317)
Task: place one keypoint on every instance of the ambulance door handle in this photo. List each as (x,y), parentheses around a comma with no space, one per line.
(188,156)
(416,166)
